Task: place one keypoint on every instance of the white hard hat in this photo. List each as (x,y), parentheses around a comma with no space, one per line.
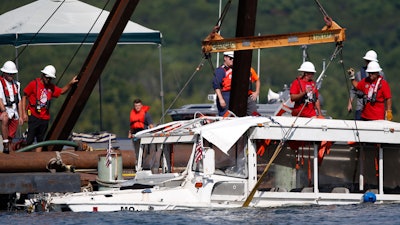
(229,53)
(371,56)
(9,67)
(49,71)
(373,67)
(307,67)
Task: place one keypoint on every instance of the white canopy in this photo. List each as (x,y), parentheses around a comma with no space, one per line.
(56,22)
(61,22)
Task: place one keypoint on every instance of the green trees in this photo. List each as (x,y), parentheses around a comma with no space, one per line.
(133,70)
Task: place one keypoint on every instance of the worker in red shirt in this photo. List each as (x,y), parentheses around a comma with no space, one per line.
(377,94)
(304,93)
(36,102)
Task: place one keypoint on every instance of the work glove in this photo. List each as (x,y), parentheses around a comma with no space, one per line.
(389,115)
(351,73)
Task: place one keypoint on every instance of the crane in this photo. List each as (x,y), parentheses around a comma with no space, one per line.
(331,32)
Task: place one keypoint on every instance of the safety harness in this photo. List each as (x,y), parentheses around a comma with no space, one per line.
(37,104)
(303,100)
(7,93)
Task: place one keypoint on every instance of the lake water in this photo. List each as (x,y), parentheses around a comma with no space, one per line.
(366,213)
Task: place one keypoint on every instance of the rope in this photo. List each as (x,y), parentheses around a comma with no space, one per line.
(79,47)
(324,13)
(348,91)
(184,86)
(223,14)
(58,160)
(338,49)
(277,150)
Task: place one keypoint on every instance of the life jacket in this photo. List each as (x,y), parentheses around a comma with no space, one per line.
(7,93)
(252,73)
(227,80)
(137,118)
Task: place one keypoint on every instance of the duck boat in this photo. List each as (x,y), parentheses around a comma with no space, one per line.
(255,162)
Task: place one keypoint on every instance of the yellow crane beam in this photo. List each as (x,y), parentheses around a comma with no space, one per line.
(216,43)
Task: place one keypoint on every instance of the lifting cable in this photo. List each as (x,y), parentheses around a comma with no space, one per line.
(76,52)
(34,36)
(281,144)
(184,86)
(327,18)
(84,39)
(338,50)
(357,134)
(217,28)
(324,13)
(348,91)
(223,14)
(205,57)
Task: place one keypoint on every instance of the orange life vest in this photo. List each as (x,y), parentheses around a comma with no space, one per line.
(227,80)
(137,118)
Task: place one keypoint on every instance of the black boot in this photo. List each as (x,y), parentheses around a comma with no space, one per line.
(6,149)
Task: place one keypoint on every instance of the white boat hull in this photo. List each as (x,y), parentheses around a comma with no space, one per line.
(180,199)
(228,170)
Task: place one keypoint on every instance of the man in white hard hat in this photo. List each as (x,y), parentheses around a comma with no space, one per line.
(222,86)
(36,103)
(10,106)
(378,97)
(222,83)
(304,93)
(370,56)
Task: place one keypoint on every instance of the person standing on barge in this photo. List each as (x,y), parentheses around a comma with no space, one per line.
(36,103)
(10,104)
(378,97)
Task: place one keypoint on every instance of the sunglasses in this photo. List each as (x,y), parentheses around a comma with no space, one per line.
(48,78)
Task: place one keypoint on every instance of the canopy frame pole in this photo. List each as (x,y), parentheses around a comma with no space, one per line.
(161,83)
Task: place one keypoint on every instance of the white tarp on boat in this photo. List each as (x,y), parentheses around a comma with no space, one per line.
(225,133)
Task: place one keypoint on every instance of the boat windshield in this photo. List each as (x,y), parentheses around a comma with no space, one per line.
(165,158)
(231,164)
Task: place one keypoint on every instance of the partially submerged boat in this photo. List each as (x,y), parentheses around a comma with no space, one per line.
(225,157)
